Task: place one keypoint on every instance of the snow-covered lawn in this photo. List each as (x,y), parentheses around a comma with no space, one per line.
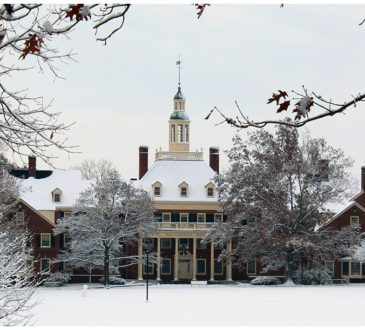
(184,305)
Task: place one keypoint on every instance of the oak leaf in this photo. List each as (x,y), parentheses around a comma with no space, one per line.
(276,97)
(32,45)
(283,106)
(74,10)
(211,111)
(201,8)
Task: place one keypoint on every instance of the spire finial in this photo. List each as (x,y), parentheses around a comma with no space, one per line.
(179,64)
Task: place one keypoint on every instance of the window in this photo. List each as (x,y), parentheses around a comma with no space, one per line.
(148,268)
(67,267)
(179,133)
(29,264)
(166,266)
(183,192)
(183,217)
(354,220)
(67,214)
(201,217)
(183,243)
(218,217)
(345,268)
(251,220)
(175,106)
(355,268)
(218,267)
(173,139)
(166,217)
(251,267)
(186,133)
(200,266)
(45,265)
(56,195)
(45,240)
(209,189)
(330,266)
(166,243)
(183,186)
(157,191)
(200,244)
(66,240)
(210,192)
(218,245)
(148,243)
(19,218)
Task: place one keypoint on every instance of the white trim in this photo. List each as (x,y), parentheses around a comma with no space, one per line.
(49,266)
(41,242)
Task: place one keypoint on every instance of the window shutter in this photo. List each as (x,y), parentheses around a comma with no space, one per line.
(61,214)
(175,217)
(52,240)
(224,217)
(158,217)
(38,240)
(192,217)
(27,244)
(61,241)
(61,266)
(209,217)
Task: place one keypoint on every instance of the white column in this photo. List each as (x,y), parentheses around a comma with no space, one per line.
(229,264)
(194,259)
(140,276)
(159,259)
(212,261)
(176,266)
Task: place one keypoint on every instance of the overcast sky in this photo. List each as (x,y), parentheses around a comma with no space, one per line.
(120,95)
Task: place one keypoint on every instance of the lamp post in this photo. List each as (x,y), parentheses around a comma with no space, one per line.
(148,271)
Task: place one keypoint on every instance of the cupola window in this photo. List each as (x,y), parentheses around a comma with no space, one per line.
(186,133)
(173,133)
(180,133)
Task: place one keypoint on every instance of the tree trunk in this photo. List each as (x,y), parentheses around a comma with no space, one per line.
(106,267)
(290,264)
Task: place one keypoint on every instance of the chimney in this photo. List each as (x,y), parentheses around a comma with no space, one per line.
(363,178)
(143,161)
(214,158)
(32,168)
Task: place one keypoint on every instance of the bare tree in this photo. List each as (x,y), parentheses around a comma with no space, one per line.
(276,193)
(107,216)
(94,170)
(304,102)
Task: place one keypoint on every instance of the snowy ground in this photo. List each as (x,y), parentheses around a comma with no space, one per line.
(220,305)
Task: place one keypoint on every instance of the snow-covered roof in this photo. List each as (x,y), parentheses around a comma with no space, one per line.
(172,172)
(38,192)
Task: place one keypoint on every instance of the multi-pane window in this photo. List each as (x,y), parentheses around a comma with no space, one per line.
(354,221)
(148,268)
(166,266)
(67,267)
(57,197)
(45,265)
(200,266)
(218,267)
(183,191)
(166,217)
(183,217)
(183,243)
(66,240)
(251,267)
(157,191)
(179,133)
(218,217)
(19,218)
(210,192)
(148,243)
(166,243)
(186,133)
(173,139)
(201,217)
(355,268)
(200,244)
(46,240)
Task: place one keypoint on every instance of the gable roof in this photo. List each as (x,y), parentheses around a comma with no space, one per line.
(172,172)
(38,192)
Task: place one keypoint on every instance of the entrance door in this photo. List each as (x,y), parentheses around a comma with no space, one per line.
(185,269)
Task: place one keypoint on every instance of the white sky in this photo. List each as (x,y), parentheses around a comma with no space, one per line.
(121,94)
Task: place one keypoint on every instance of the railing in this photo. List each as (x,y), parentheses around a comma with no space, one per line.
(178,154)
(179,225)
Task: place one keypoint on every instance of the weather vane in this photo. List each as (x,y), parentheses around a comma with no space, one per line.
(179,64)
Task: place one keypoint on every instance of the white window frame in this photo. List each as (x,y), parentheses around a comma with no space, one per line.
(49,266)
(354,217)
(166,273)
(65,264)
(19,215)
(215,217)
(205,267)
(65,244)
(49,240)
(145,268)
(169,215)
(182,215)
(203,215)
(215,273)
(164,247)
(183,185)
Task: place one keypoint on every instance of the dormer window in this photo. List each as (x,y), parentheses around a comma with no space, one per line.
(19,218)
(209,189)
(156,189)
(183,187)
(56,195)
